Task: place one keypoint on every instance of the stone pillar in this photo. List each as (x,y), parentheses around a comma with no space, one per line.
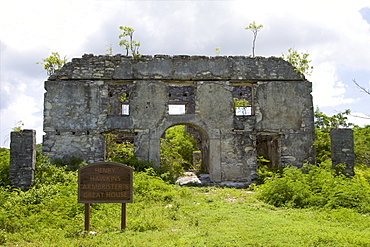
(342,149)
(22,158)
(154,151)
(142,144)
(215,160)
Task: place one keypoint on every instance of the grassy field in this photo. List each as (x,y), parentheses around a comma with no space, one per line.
(168,215)
(316,208)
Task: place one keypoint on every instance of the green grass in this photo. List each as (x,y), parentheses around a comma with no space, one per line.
(316,208)
(190,217)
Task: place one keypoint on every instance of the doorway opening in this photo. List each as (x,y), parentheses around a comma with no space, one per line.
(120,148)
(184,147)
(268,150)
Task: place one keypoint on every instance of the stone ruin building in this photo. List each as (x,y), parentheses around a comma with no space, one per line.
(94,95)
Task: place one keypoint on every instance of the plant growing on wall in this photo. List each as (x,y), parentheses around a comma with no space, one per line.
(53,63)
(299,61)
(255,29)
(123,97)
(130,44)
(109,49)
(217,51)
(19,126)
(240,106)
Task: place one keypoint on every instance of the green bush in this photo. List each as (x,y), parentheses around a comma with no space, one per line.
(73,164)
(50,202)
(124,153)
(171,163)
(362,145)
(265,172)
(47,173)
(317,186)
(180,142)
(176,153)
(149,187)
(4,166)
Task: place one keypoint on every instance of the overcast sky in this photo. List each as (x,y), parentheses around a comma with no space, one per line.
(336,34)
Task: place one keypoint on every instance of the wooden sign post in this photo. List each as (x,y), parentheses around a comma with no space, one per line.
(105,182)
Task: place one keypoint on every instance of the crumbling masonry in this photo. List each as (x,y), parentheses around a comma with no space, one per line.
(94,95)
(22,158)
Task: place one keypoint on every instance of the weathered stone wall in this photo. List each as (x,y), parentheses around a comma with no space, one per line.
(284,108)
(239,156)
(22,158)
(85,99)
(342,149)
(182,67)
(75,115)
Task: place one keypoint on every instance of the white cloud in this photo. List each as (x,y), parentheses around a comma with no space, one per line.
(22,108)
(359,119)
(328,90)
(57,25)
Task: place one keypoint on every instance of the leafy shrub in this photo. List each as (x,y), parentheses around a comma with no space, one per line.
(176,153)
(3,237)
(316,186)
(362,145)
(322,145)
(4,166)
(47,173)
(73,164)
(363,172)
(265,172)
(180,142)
(289,189)
(149,187)
(124,153)
(50,202)
(171,163)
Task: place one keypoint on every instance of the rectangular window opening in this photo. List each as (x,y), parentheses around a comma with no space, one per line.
(243,110)
(176,109)
(125,109)
(243,99)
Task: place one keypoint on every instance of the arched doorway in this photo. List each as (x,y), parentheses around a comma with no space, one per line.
(185,145)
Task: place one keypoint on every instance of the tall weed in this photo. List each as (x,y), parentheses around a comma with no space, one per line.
(316,186)
(4,166)
(150,188)
(124,153)
(47,173)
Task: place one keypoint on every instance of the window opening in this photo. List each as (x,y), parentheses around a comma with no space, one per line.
(176,109)
(243,111)
(119,146)
(181,99)
(242,97)
(242,107)
(125,109)
(118,100)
